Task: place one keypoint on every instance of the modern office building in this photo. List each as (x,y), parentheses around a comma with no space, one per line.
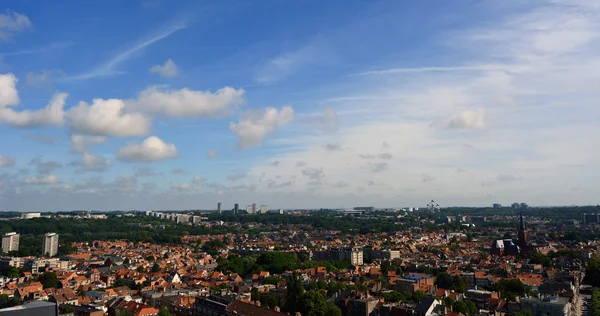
(253,208)
(50,244)
(219,208)
(10,242)
(236,208)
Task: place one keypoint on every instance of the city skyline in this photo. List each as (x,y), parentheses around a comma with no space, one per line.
(315,105)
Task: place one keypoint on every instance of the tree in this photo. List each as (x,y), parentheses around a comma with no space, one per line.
(164,312)
(313,303)
(443,280)
(155,267)
(49,280)
(592,272)
(295,290)
(471,307)
(460,307)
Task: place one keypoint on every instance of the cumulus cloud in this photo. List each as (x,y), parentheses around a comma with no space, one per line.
(6,162)
(168,70)
(107,118)
(212,153)
(255,126)
(41,180)
(468,119)
(44,167)
(188,103)
(91,163)
(8,90)
(12,23)
(151,149)
(52,114)
(80,143)
(236,176)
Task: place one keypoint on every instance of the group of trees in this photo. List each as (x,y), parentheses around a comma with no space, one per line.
(275,262)
(309,303)
(596,302)
(592,272)
(446,281)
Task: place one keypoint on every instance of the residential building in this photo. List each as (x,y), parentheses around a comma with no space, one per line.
(34,308)
(50,244)
(264,209)
(10,242)
(30,215)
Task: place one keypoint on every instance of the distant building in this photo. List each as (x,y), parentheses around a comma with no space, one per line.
(254,208)
(10,242)
(446,219)
(523,206)
(30,215)
(264,209)
(460,218)
(354,255)
(219,208)
(249,209)
(478,219)
(365,208)
(497,206)
(50,244)
(515,206)
(236,208)
(591,218)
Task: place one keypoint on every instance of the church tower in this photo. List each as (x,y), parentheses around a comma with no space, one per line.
(523,242)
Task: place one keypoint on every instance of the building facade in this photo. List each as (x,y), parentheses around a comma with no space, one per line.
(50,244)
(10,242)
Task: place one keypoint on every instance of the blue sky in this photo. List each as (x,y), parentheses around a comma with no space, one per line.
(158,104)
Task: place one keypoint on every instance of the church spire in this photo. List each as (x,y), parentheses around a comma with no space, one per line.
(522,223)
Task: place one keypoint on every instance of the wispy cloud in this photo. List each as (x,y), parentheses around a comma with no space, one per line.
(48,48)
(110,67)
(394,71)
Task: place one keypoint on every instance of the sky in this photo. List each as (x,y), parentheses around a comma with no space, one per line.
(155,104)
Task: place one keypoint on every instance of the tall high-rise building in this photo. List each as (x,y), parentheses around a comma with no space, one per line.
(50,244)
(219,208)
(264,209)
(10,242)
(253,208)
(236,208)
(249,209)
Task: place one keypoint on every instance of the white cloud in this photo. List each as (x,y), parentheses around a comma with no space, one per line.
(288,63)
(108,118)
(168,70)
(80,143)
(212,153)
(151,149)
(52,114)
(8,90)
(188,103)
(41,180)
(255,126)
(91,163)
(12,23)
(468,119)
(6,161)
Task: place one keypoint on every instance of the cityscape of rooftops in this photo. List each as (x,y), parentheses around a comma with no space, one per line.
(299,158)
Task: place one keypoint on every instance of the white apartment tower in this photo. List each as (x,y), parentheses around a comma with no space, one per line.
(50,244)
(10,242)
